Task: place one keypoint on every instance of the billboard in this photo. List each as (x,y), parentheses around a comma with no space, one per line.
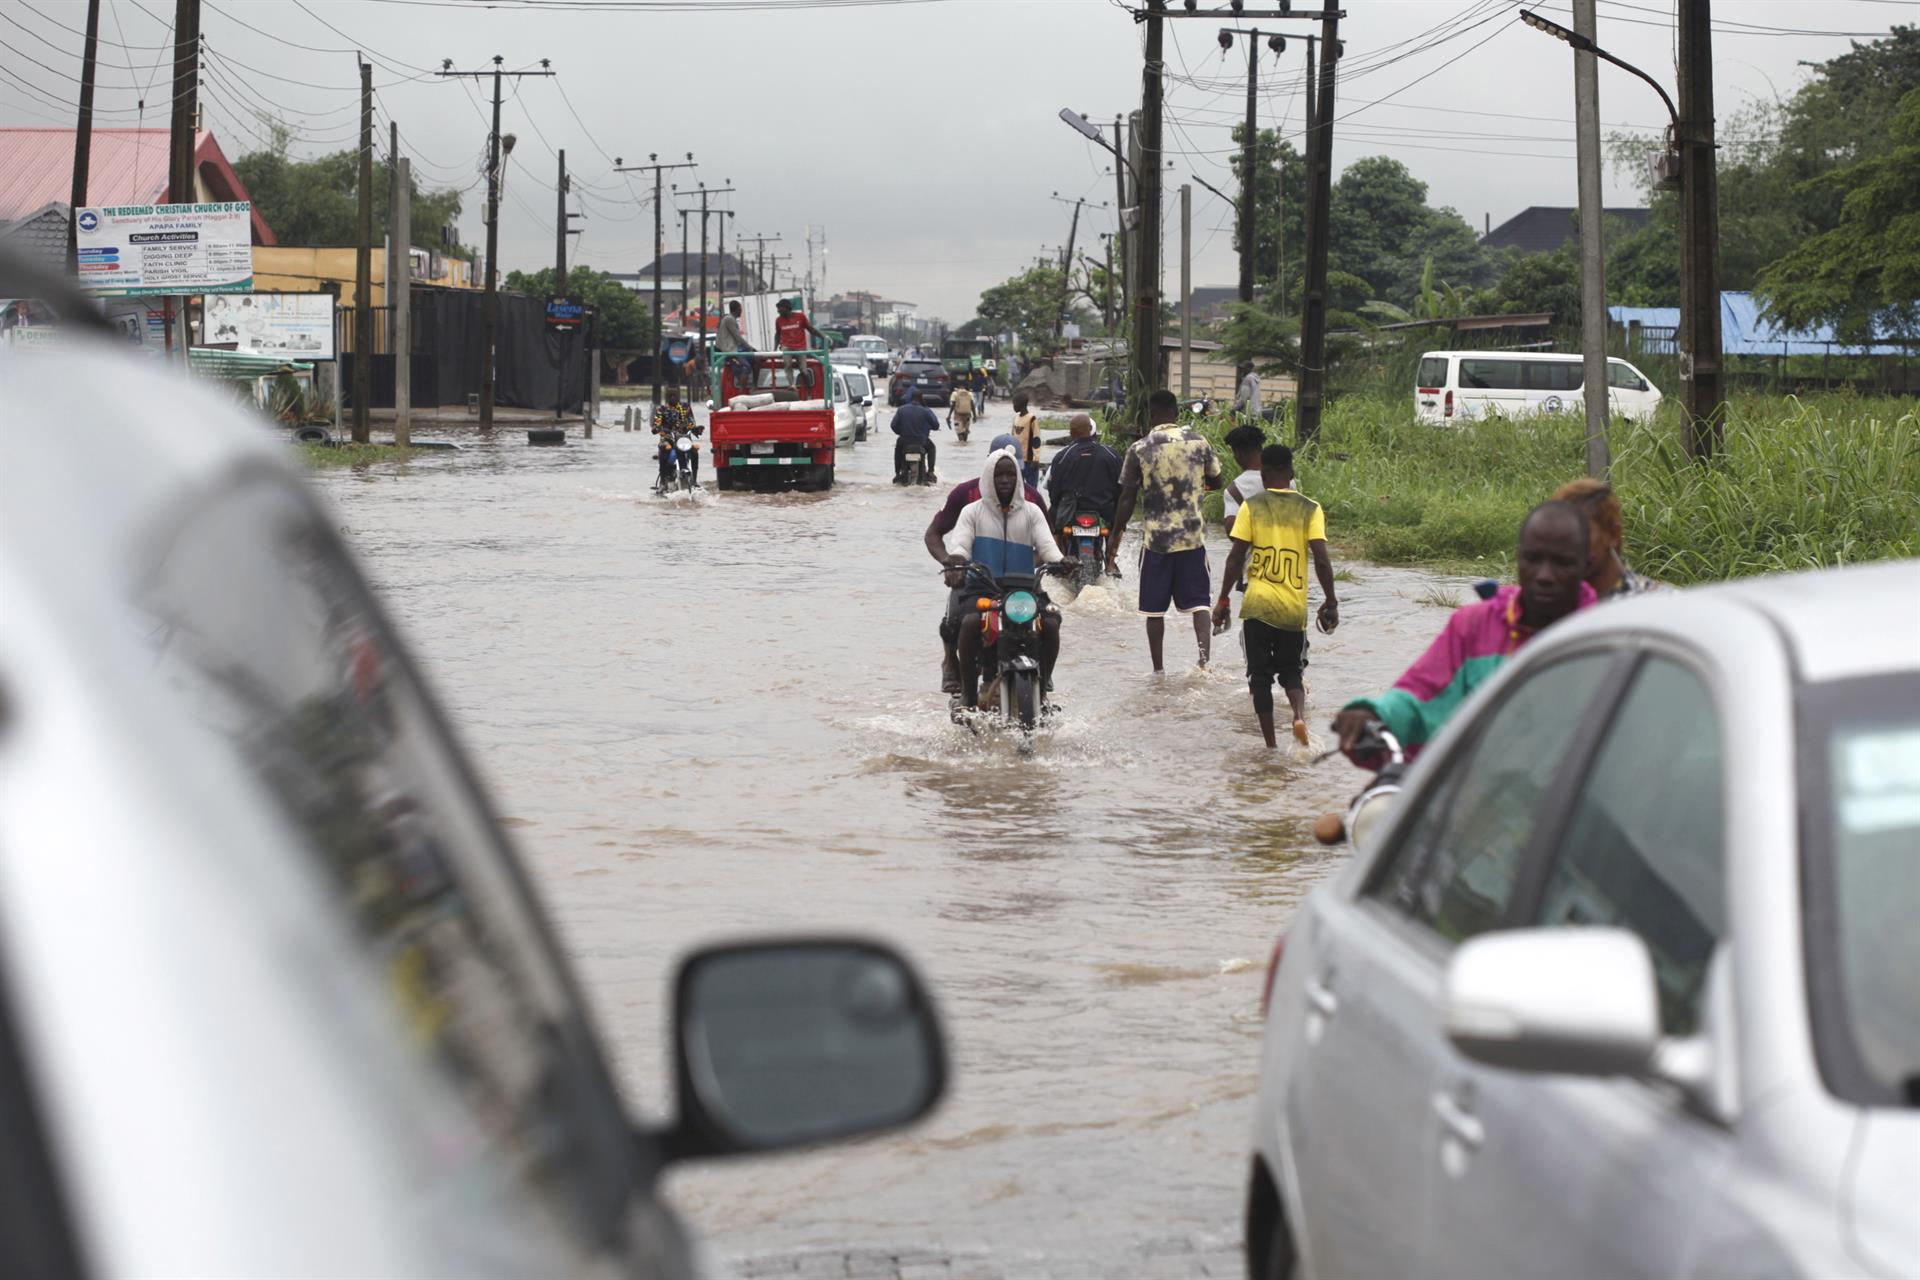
(298,326)
(128,250)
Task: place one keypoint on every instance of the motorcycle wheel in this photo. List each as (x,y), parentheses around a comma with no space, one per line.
(1026,700)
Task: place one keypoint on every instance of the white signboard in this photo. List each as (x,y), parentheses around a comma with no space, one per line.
(166,248)
(296,325)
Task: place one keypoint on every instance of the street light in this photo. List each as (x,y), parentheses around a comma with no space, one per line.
(1585,45)
(1091,132)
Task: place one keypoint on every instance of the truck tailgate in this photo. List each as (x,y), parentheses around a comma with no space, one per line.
(750,426)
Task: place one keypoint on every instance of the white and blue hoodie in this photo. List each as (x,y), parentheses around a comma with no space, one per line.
(1014,539)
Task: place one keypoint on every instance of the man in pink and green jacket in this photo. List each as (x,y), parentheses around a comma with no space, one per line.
(1480,637)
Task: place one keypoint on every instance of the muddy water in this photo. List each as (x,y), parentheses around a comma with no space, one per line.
(719,717)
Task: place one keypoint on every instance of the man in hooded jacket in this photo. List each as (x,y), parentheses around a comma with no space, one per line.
(1007,534)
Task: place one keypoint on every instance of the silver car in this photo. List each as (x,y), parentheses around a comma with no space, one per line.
(1628,981)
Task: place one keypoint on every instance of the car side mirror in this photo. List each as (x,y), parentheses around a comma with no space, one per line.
(866,402)
(785,1044)
(1568,1000)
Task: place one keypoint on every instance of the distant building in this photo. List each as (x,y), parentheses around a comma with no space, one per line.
(1544,228)
(679,275)
(125,166)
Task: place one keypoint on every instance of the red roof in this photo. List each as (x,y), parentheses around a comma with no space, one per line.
(127,166)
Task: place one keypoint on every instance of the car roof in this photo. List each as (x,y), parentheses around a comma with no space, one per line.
(1856,620)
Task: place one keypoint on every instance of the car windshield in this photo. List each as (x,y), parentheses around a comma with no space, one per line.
(1862,789)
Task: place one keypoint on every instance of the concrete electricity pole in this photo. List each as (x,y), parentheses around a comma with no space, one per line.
(1593,275)
(490,301)
(1699,234)
(363,268)
(400,301)
(659,247)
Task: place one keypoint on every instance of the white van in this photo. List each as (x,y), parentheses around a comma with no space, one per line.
(1453,386)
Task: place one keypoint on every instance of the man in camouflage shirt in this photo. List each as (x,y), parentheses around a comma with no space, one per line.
(1165,472)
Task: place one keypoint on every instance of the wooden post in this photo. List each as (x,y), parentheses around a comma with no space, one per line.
(400,302)
(363,269)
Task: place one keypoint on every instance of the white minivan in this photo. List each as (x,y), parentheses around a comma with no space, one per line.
(1453,386)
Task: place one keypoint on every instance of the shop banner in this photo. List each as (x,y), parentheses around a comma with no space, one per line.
(296,325)
(127,250)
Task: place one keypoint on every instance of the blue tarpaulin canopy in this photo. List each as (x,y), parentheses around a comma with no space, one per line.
(1745,332)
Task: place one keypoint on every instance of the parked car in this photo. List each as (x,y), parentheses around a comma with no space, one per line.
(276,995)
(1625,983)
(928,378)
(1452,387)
(860,397)
(873,352)
(846,412)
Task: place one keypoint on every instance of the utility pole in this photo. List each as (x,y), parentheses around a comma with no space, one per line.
(1143,351)
(703,193)
(490,300)
(1120,225)
(400,300)
(562,222)
(393,221)
(1066,264)
(1186,291)
(1106,301)
(83,134)
(659,247)
(760,244)
(1699,234)
(686,294)
(363,268)
(186,82)
(1311,396)
(1593,275)
(1250,134)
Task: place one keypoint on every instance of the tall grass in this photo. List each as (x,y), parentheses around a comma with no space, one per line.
(1828,480)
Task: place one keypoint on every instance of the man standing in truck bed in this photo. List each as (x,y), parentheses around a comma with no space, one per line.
(790,330)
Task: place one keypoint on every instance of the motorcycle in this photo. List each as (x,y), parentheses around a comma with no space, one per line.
(1377,749)
(685,463)
(1010,608)
(1086,536)
(913,464)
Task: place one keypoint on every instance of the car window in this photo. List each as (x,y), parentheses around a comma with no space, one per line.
(1644,846)
(1553,375)
(263,629)
(1456,861)
(1491,375)
(1433,372)
(1619,375)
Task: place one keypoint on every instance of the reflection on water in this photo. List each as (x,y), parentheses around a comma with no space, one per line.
(719,715)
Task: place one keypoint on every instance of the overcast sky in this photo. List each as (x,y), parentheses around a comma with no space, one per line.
(918,138)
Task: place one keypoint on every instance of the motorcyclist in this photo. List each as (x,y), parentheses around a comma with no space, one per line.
(943,522)
(1084,477)
(912,422)
(671,421)
(1007,534)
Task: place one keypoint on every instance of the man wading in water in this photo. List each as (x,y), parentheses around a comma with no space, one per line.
(1165,472)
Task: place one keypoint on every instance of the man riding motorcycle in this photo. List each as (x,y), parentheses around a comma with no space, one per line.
(1084,477)
(938,528)
(1007,534)
(914,423)
(671,421)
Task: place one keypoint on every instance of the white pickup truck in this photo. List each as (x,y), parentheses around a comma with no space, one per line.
(874,352)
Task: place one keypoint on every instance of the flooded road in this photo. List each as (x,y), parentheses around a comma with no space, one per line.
(720,717)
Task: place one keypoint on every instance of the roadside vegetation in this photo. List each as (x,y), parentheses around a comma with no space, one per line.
(353,455)
(1799,483)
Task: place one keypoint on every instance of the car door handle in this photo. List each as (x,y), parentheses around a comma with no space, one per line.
(1458,1121)
(1321,997)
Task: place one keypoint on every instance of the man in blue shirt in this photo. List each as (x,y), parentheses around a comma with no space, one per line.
(914,422)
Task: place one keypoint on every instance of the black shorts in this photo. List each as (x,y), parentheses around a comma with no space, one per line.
(1274,654)
(1176,578)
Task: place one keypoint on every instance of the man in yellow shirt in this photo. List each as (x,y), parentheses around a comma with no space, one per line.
(1274,534)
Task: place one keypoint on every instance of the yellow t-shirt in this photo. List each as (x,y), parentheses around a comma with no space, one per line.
(1277,525)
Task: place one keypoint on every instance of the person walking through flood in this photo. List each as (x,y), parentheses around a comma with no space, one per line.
(1164,473)
(960,413)
(1275,533)
(1607,570)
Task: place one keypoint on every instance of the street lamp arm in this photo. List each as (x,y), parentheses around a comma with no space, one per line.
(1672,112)
(1217,191)
(1583,44)
(1086,129)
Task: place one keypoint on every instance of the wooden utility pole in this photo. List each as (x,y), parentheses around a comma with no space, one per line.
(1107,300)
(1699,235)
(659,246)
(1311,396)
(1186,291)
(186,84)
(400,300)
(1593,275)
(562,221)
(1066,271)
(1248,151)
(703,193)
(363,268)
(1120,226)
(1143,350)
(83,135)
(490,299)
(394,247)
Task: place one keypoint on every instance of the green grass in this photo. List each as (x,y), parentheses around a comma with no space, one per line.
(354,455)
(1798,484)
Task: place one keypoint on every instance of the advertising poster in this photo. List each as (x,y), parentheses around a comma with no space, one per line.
(298,326)
(129,250)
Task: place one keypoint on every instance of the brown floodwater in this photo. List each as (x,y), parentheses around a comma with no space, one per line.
(719,717)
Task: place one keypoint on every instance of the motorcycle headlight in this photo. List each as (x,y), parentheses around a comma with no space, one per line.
(1020,606)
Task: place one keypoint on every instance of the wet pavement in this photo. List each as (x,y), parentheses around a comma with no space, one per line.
(718,716)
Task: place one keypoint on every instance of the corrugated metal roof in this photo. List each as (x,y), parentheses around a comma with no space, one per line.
(1745,332)
(124,166)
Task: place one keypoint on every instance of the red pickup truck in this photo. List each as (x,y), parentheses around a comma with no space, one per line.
(775,422)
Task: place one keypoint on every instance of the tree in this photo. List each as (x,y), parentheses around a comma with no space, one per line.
(1384,233)
(316,202)
(1026,305)
(624,321)
(1863,276)
(1279,208)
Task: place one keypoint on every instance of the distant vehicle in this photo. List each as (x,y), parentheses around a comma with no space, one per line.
(847,414)
(878,357)
(781,423)
(963,358)
(1622,982)
(860,395)
(928,378)
(277,995)
(1460,386)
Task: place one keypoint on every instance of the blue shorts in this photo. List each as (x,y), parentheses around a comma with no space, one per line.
(1176,578)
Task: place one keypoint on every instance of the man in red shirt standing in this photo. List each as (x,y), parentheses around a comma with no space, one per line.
(790,330)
